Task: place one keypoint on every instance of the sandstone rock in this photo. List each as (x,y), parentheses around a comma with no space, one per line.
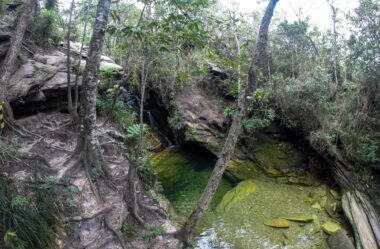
(202,116)
(331,227)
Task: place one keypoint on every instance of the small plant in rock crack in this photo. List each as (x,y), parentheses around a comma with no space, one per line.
(127,229)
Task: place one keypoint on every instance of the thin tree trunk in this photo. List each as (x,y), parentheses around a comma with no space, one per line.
(69,97)
(142,90)
(335,44)
(76,93)
(10,59)
(292,64)
(238,67)
(225,155)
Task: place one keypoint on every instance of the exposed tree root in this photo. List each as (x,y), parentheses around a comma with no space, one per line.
(31,156)
(154,208)
(136,206)
(117,234)
(17,129)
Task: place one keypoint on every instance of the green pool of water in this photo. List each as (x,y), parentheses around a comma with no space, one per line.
(241,225)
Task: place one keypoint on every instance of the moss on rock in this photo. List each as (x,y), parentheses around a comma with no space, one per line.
(242,190)
(331,227)
(275,157)
(277,223)
(240,170)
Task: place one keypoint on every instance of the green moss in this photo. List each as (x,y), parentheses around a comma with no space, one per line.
(184,176)
(168,165)
(239,170)
(243,209)
(274,156)
(214,147)
(242,190)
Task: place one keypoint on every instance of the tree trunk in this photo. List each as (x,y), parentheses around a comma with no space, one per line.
(10,59)
(225,155)
(69,97)
(87,140)
(363,218)
(358,209)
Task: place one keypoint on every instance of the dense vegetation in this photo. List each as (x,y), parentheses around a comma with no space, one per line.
(323,86)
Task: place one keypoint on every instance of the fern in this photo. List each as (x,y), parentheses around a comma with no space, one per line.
(134,131)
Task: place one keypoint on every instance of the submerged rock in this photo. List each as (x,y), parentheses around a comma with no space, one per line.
(305,218)
(242,190)
(340,240)
(240,170)
(277,223)
(331,227)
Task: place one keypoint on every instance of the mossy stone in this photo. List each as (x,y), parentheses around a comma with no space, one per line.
(240,170)
(275,157)
(277,223)
(303,180)
(331,227)
(241,191)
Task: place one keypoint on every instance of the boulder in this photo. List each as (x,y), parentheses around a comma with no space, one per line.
(42,80)
(339,240)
